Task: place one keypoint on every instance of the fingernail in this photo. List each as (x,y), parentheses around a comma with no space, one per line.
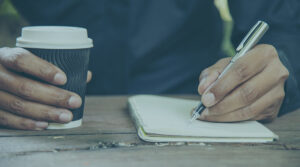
(204,114)
(65,117)
(41,125)
(75,101)
(60,78)
(208,99)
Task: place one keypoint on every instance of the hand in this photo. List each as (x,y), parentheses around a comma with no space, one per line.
(28,104)
(253,89)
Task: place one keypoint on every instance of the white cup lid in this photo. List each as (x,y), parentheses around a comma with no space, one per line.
(54,37)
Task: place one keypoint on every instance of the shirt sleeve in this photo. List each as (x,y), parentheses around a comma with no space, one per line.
(283,18)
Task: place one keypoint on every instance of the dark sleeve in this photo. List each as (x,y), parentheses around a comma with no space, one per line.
(283,18)
(51,12)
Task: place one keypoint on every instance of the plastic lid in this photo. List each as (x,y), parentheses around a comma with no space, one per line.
(54,37)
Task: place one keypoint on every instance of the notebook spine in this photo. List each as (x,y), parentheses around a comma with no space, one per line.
(134,115)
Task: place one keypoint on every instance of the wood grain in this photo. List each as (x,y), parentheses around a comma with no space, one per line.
(108,138)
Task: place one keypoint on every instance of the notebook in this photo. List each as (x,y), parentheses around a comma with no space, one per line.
(165,119)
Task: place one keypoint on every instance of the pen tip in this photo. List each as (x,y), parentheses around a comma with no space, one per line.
(194,117)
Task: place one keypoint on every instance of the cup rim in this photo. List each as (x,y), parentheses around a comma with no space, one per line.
(54,37)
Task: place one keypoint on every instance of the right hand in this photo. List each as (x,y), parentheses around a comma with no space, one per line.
(28,104)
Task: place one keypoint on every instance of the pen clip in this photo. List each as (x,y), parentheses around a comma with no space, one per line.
(246,38)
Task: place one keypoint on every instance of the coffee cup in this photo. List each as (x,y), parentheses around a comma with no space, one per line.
(67,48)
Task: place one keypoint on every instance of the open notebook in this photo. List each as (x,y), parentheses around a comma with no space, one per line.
(164,119)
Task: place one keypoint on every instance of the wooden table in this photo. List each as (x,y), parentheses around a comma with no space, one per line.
(108,138)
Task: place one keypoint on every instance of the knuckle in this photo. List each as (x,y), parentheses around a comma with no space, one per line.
(25,89)
(47,71)
(204,73)
(51,114)
(278,94)
(17,106)
(47,115)
(13,56)
(17,57)
(18,63)
(270,51)
(219,90)
(27,124)
(61,99)
(271,107)
(248,94)
(218,109)
(223,61)
(246,113)
(3,120)
(281,94)
(241,70)
(284,73)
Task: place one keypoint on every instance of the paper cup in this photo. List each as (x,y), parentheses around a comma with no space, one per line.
(68,48)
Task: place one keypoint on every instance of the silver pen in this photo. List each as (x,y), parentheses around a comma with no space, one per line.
(251,39)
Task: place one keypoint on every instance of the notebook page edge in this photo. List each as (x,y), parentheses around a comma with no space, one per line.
(148,138)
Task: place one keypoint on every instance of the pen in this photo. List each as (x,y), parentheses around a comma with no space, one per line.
(251,39)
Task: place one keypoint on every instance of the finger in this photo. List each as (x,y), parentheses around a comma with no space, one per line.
(218,66)
(251,90)
(207,81)
(32,110)
(17,122)
(210,75)
(21,60)
(250,112)
(38,92)
(89,76)
(244,68)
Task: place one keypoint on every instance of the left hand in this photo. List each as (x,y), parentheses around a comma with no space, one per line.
(253,89)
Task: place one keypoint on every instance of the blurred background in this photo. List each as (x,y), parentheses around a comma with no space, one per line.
(11,23)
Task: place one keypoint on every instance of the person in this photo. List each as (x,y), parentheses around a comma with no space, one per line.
(159,47)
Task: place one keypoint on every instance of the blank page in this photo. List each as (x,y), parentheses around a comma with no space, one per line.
(170,116)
